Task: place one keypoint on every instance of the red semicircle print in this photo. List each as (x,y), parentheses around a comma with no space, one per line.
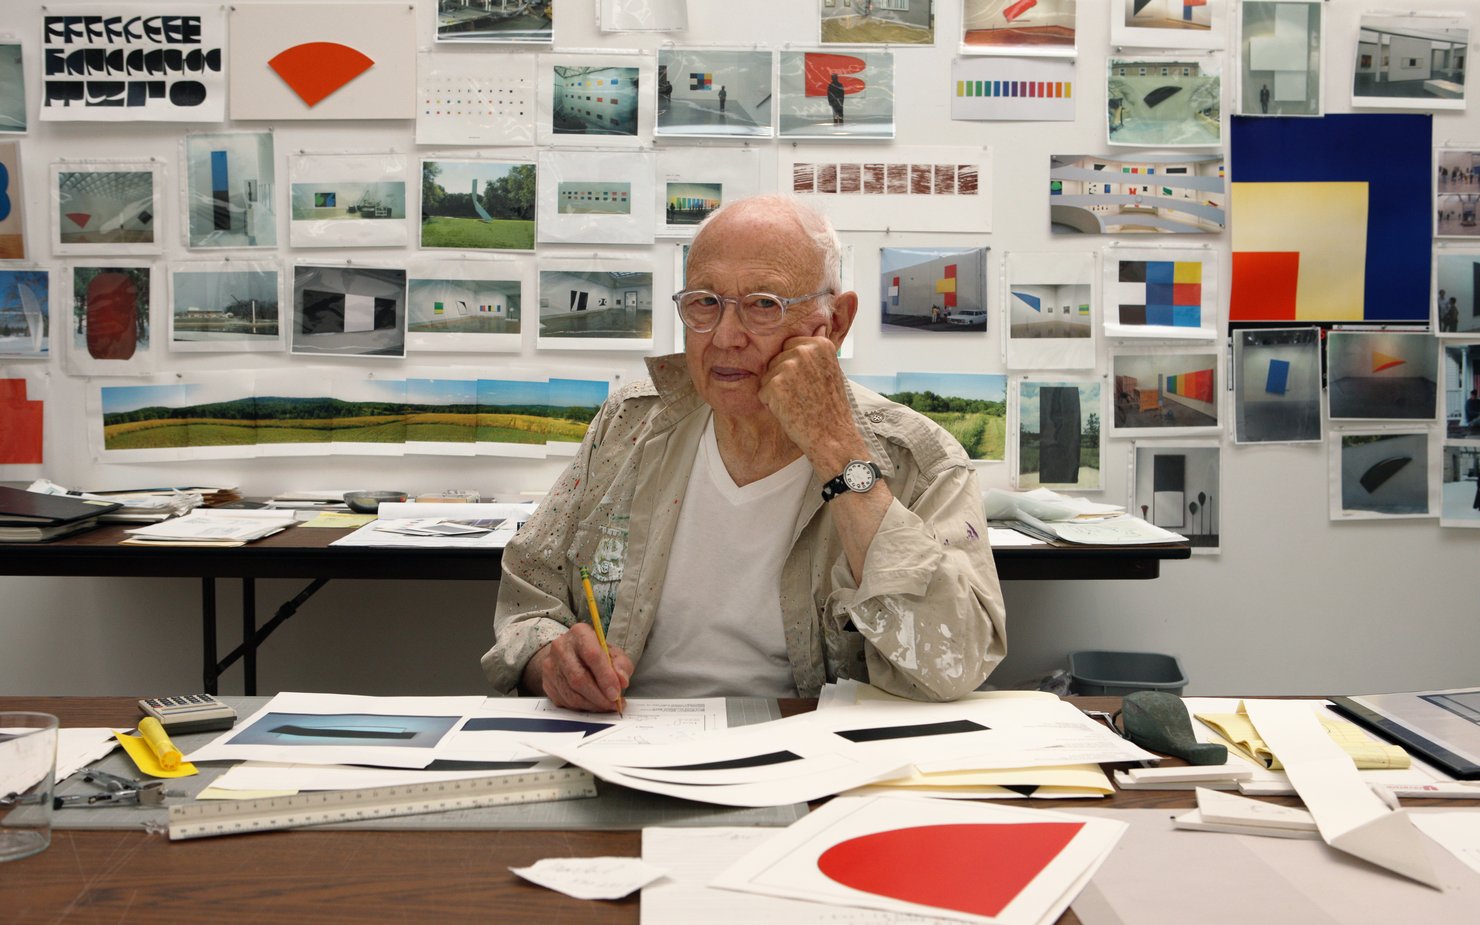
(976,868)
(314,70)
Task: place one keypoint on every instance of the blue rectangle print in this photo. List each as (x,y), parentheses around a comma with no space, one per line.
(1278,379)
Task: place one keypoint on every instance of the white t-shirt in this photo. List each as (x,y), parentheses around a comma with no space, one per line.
(718,627)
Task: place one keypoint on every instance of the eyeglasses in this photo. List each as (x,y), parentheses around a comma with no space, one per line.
(760,312)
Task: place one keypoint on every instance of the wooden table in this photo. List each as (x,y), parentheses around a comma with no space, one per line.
(302,552)
(304,877)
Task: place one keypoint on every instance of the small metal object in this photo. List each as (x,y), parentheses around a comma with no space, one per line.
(1157,720)
(114,790)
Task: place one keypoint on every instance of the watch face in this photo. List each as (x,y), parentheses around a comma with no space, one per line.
(859,476)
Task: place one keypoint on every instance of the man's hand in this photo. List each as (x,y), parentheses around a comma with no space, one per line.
(803,387)
(574,673)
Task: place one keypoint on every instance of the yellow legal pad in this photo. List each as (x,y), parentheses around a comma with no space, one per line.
(1367,753)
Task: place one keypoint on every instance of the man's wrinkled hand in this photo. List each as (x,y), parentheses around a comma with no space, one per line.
(575,674)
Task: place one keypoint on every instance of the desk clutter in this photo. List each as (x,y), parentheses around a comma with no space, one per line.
(914,825)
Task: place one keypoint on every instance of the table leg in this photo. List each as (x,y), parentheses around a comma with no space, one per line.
(210,674)
(249,636)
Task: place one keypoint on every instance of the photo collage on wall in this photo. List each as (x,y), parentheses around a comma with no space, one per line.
(1228,242)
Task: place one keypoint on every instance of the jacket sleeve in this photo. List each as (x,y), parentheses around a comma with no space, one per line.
(534,592)
(930,605)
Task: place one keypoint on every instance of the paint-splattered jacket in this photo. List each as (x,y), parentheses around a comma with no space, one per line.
(927,621)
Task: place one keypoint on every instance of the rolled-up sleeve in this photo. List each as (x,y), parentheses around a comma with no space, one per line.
(930,605)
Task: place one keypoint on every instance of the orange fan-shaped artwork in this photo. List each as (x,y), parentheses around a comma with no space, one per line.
(314,70)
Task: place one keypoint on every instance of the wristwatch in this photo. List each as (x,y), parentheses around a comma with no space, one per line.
(858,475)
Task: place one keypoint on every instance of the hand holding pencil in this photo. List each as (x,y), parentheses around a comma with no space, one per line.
(595,615)
(577,670)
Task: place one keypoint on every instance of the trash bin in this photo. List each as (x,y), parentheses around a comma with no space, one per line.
(1119,673)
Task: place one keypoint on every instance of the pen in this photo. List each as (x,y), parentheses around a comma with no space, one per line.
(596,624)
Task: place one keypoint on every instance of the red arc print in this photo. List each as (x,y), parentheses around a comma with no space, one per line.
(314,70)
(818,69)
(977,868)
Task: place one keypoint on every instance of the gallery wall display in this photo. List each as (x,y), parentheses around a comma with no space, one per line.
(643,15)
(156,62)
(1176,486)
(876,22)
(501,21)
(1379,474)
(1280,48)
(1277,385)
(1160,293)
(1018,27)
(106,207)
(594,100)
(836,94)
(972,407)
(593,305)
(347,200)
(1411,61)
(591,197)
(690,188)
(477,204)
(936,289)
(1386,375)
(1165,393)
(1459,485)
(1169,23)
(1164,101)
(1048,310)
(230,190)
(1013,89)
(1143,193)
(902,188)
(714,93)
(472,305)
(1456,309)
(349,311)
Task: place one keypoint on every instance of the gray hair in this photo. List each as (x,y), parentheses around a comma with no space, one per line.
(813,224)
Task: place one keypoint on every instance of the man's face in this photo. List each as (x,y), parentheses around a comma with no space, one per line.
(740,253)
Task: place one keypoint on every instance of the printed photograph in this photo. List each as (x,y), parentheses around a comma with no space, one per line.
(1277,385)
(1414,62)
(581,308)
(1013,89)
(25,313)
(829,94)
(1171,15)
(463,306)
(477,205)
(230,182)
(102,210)
(713,92)
(1388,375)
(972,407)
(348,202)
(527,21)
(514,412)
(594,100)
(1157,393)
(1457,192)
(1462,392)
(475,100)
(1460,485)
(1036,311)
(349,311)
(378,729)
(12,203)
(940,289)
(110,312)
(573,404)
(1017,27)
(224,309)
(368,416)
(180,415)
(877,22)
(607,198)
(1161,294)
(1059,435)
(1141,194)
(1163,101)
(1380,475)
(1455,304)
(1280,58)
(1176,487)
(442,412)
(691,203)
(12,88)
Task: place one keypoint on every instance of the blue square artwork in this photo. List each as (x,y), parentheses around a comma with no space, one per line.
(1278,379)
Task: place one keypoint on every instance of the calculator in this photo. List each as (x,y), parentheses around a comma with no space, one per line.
(189,713)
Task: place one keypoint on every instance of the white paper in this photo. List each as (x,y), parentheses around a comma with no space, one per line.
(588,197)
(1161,293)
(1350,815)
(209,524)
(595,99)
(107,207)
(79,746)
(715,92)
(347,200)
(1457,830)
(598,304)
(1048,304)
(482,100)
(591,878)
(470,305)
(1013,89)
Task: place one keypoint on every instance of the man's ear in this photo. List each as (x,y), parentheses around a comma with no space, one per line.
(844,310)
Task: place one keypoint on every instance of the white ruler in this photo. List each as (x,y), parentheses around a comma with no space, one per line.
(203,819)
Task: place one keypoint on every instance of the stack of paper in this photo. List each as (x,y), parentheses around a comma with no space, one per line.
(487,525)
(144,505)
(211,527)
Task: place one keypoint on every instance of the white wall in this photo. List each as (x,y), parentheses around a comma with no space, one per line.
(1293,604)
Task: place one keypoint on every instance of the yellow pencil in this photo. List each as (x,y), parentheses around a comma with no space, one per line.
(596,624)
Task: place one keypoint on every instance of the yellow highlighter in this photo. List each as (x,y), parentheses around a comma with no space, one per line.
(159,742)
(596,625)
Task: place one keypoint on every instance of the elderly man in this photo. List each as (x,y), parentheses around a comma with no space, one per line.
(753,523)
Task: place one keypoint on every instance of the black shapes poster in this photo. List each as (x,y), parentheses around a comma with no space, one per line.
(108,62)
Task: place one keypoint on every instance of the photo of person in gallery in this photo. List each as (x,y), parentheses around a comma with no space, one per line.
(753,523)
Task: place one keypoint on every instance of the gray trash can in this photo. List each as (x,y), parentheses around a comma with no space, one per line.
(1116,674)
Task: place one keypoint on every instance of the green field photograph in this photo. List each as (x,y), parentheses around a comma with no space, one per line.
(477,205)
(972,407)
